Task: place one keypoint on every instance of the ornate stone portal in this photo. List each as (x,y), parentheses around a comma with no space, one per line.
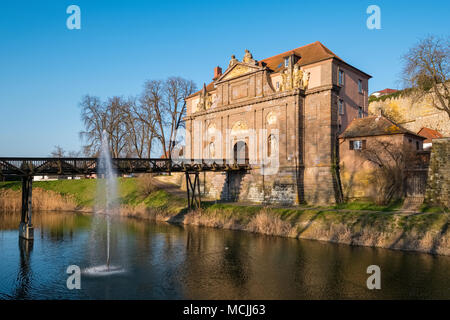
(264,106)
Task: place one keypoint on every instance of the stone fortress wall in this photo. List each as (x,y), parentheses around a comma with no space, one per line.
(412,114)
(438,184)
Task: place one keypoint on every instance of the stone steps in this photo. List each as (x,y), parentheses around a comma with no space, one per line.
(412,203)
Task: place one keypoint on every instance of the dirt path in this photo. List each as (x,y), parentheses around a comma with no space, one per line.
(171,188)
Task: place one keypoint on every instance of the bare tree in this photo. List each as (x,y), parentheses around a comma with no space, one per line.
(93,115)
(115,125)
(58,152)
(390,161)
(427,69)
(73,154)
(98,117)
(137,131)
(133,125)
(176,91)
(152,111)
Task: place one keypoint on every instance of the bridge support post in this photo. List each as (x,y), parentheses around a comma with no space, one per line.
(193,190)
(26,230)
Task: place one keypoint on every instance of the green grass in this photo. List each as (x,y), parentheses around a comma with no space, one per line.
(381,221)
(431,209)
(245,213)
(369,206)
(83,191)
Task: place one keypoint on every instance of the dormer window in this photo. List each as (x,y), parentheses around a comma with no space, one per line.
(286,62)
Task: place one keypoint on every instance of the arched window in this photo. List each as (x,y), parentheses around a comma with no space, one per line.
(271,147)
(240,151)
(212,150)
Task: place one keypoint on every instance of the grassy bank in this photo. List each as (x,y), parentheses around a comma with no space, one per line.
(354,223)
(81,194)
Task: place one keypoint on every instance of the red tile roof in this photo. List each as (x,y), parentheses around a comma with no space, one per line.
(387,91)
(209,87)
(430,134)
(310,53)
(374,126)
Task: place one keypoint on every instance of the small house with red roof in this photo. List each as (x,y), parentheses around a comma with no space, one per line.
(429,134)
(370,143)
(383,92)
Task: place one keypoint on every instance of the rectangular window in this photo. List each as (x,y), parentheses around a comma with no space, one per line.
(358,145)
(341,77)
(360,89)
(417,145)
(286,62)
(360,112)
(341,106)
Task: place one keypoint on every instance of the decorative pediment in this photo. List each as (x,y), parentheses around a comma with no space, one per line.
(237,68)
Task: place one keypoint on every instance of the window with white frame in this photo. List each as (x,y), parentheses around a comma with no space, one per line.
(357,144)
(341,106)
(286,62)
(341,77)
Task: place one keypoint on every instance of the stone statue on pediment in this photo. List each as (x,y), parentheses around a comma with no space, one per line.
(248,58)
(286,84)
(233,61)
(298,77)
(208,101)
(204,100)
(305,79)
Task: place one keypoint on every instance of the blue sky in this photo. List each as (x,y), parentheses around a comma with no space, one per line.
(46,68)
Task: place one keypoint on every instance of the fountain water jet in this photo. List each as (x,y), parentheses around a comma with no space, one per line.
(107,203)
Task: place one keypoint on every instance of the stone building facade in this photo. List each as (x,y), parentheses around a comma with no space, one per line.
(283,115)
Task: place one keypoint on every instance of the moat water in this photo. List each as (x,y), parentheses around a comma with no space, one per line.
(163,261)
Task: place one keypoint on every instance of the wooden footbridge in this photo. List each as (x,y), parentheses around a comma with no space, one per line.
(26,168)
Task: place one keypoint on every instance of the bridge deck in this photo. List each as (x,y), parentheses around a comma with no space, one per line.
(19,166)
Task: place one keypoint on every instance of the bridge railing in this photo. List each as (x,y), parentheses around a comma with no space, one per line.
(85,166)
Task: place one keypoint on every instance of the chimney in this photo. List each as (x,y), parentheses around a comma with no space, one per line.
(217,72)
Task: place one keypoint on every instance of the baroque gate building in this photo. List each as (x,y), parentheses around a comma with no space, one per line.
(282,115)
